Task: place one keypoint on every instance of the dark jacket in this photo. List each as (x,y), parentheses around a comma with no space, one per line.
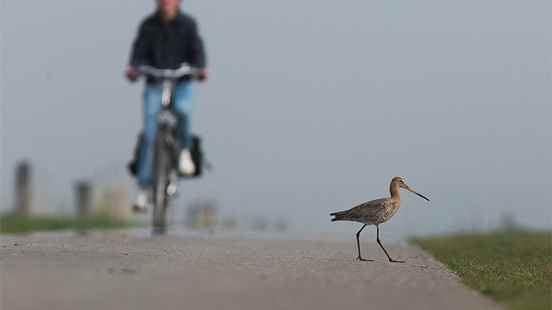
(167,45)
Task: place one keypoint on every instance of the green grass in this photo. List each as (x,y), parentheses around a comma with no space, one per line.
(13,224)
(513,267)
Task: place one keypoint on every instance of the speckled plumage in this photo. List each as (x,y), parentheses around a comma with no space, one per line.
(373,212)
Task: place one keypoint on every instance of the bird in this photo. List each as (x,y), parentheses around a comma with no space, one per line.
(377,212)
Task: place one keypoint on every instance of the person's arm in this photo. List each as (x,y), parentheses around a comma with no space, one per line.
(138,54)
(199,57)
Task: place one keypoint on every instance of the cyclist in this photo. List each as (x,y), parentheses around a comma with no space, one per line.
(166,39)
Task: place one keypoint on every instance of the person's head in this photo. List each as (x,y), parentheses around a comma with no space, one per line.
(168,8)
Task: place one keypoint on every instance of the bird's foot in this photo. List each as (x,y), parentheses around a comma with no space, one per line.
(397,261)
(364,260)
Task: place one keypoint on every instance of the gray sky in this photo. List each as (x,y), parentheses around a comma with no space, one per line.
(312,106)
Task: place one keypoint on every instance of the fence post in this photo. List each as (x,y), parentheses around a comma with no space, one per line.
(83,198)
(23,188)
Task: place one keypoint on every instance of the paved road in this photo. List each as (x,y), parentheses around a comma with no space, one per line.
(122,271)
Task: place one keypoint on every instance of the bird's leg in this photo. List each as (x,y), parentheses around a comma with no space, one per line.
(358,244)
(384,250)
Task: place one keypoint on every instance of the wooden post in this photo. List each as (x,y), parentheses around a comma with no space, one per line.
(83,191)
(23,188)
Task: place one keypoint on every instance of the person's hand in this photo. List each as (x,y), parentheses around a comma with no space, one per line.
(131,74)
(202,75)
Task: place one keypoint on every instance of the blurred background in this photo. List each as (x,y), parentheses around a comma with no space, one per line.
(312,107)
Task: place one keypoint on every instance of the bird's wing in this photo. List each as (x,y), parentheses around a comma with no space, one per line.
(368,209)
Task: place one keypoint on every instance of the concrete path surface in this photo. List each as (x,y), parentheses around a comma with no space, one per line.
(122,271)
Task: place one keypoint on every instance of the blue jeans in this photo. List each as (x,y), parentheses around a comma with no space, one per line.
(182,106)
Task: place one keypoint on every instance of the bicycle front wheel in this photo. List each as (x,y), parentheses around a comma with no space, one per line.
(162,168)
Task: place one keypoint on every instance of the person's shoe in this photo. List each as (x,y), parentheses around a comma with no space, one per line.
(172,188)
(142,202)
(186,165)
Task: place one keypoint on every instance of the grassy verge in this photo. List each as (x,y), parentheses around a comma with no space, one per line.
(513,267)
(13,224)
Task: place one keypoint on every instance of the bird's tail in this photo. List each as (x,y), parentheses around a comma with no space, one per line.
(339,216)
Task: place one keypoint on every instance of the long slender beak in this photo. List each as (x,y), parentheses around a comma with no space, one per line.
(424,197)
(415,192)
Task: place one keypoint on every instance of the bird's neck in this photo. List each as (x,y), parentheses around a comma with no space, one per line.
(395,192)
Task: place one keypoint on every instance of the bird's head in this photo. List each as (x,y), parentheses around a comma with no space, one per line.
(401,182)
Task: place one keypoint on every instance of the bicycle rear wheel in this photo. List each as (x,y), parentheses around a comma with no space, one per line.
(162,168)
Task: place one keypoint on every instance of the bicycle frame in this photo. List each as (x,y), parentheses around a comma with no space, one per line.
(166,98)
(166,145)
(165,158)
(166,117)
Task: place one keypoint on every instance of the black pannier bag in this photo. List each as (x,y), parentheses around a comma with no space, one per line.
(198,156)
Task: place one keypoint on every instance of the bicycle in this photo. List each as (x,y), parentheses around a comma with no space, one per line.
(165,158)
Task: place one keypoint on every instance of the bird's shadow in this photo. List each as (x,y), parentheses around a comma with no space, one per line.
(395,262)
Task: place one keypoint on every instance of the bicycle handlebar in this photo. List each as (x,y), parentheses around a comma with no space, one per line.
(184,70)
